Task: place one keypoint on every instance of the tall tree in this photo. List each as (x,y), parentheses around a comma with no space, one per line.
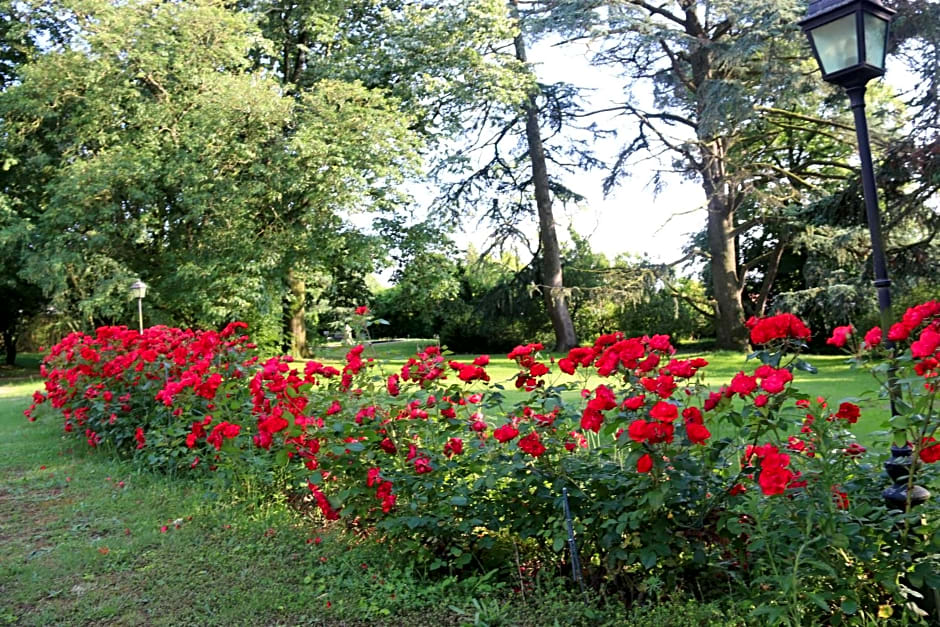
(731,108)
(459,67)
(553,285)
(148,146)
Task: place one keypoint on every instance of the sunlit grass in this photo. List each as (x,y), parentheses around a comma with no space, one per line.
(836,380)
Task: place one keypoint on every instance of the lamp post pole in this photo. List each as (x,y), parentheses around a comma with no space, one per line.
(870,193)
(138,291)
(849,40)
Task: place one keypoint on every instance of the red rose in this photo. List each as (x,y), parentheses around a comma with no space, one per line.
(840,336)
(644,464)
(697,433)
(505,433)
(532,445)
(454,446)
(634,402)
(930,454)
(422,465)
(664,412)
(638,430)
(591,420)
(742,385)
(774,479)
(848,412)
(854,449)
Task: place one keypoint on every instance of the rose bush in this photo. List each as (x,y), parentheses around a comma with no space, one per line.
(146,395)
(753,485)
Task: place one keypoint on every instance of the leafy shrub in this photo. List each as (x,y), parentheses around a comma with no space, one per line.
(754,486)
(143,395)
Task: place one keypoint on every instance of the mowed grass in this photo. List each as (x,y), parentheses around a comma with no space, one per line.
(836,380)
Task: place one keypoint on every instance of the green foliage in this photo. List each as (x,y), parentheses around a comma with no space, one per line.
(146,146)
(477,303)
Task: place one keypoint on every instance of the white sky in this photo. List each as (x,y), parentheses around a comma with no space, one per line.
(632,219)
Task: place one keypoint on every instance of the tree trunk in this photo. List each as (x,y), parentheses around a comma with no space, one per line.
(730,332)
(297,322)
(9,342)
(552,277)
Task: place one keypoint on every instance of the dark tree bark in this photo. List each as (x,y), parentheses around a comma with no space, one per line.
(9,343)
(553,291)
(727,285)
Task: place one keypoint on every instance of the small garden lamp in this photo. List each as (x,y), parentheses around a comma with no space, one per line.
(139,290)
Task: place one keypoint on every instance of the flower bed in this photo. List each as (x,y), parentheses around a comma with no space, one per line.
(788,509)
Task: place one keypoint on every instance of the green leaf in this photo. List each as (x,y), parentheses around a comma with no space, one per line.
(655,499)
(849,606)
(458,500)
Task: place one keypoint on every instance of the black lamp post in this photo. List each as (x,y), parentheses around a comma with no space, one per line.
(849,39)
(139,290)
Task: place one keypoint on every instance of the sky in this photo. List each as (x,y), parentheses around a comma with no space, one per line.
(632,219)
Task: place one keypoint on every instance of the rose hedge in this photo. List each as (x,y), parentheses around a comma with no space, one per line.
(754,487)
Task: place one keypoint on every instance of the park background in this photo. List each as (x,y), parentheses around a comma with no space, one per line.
(404,175)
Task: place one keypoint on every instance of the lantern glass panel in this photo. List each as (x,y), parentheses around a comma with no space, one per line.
(836,43)
(138,289)
(876,31)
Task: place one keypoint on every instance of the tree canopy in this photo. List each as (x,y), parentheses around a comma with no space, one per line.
(254,160)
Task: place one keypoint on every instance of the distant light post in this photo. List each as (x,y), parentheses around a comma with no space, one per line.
(139,290)
(849,39)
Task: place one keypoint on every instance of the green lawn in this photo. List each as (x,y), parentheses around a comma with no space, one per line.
(835,380)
